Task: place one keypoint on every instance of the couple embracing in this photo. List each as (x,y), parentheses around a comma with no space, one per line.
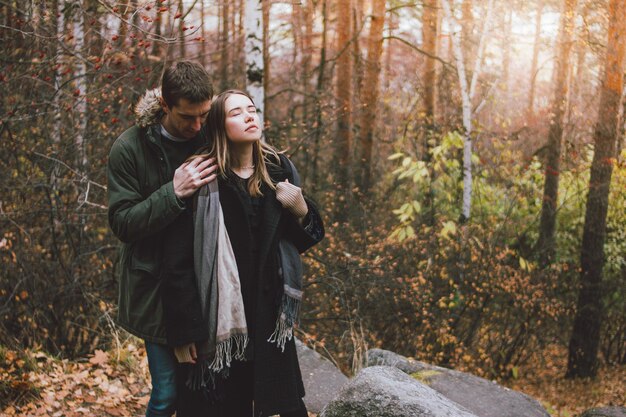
(212,220)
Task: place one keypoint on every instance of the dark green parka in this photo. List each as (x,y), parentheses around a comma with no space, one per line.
(141,204)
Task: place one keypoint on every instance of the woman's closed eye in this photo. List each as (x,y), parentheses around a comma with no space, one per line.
(239,111)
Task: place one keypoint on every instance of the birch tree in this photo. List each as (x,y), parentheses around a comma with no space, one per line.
(585,339)
(546,242)
(80,92)
(468,92)
(56,100)
(57,120)
(254,53)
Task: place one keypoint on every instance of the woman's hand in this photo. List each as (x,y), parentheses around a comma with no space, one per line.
(186,353)
(290,196)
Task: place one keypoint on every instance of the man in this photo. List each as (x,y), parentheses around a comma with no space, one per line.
(149,185)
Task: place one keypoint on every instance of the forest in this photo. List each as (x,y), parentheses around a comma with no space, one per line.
(468,157)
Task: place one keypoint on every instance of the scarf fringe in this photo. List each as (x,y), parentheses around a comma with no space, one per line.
(224,353)
(287,319)
(204,376)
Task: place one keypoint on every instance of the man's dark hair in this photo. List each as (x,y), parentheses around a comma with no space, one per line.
(187,80)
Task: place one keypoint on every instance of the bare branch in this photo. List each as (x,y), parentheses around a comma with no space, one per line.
(421,51)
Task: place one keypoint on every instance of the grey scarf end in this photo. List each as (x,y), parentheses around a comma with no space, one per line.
(287,318)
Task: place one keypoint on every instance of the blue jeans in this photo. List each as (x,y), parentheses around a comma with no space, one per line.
(162,365)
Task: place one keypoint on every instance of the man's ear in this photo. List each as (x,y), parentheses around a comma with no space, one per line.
(164,105)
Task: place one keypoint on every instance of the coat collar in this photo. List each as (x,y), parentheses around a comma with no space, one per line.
(148,110)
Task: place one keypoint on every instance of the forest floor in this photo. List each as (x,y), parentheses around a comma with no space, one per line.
(116,384)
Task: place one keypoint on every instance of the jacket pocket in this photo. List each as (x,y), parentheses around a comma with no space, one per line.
(144,256)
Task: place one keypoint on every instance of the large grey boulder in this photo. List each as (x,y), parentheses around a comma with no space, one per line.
(615,411)
(384,391)
(322,380)
(478,395)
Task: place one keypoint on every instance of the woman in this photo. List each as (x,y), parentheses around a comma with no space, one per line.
(232,323)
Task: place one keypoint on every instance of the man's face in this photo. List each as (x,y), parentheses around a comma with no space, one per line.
(184,119)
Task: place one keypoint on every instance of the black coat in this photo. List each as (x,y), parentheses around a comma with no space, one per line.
(278,383)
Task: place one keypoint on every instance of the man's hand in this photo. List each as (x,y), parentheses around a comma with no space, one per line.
(186,353)
(192,175)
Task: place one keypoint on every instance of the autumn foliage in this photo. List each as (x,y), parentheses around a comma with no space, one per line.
(400,268)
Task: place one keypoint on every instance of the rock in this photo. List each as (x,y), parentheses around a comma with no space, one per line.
(322,380)
(616,411)
(482,397)
(384,391)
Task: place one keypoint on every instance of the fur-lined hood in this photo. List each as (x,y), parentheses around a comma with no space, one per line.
(148,110)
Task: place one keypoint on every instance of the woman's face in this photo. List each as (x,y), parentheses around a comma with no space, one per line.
(242,123)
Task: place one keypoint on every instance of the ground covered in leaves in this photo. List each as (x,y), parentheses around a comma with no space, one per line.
(565,397)
(116,384)
(105,384)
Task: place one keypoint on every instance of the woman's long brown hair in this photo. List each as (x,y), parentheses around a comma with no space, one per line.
(218,146)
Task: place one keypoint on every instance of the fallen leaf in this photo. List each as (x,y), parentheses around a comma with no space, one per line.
(113,411)
(99,358)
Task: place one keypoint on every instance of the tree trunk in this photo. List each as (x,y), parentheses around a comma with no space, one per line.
(468,38)
(266,55)
(238,43)
(546,245)
(358,66)
(254,53)
(581,57)
(467,94)
(307,50)
(533,66)
(583,346)
(370,91)
(56,100)
(319,90)
(430,20)
(157,45)
(181,29)
(343,144)
(429,75)
(392,25)
(57,121)
(296,64)
(203,34)
(506,64)
(307,15)
(170,27)
(224,46)
(123,30)
(80,92)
